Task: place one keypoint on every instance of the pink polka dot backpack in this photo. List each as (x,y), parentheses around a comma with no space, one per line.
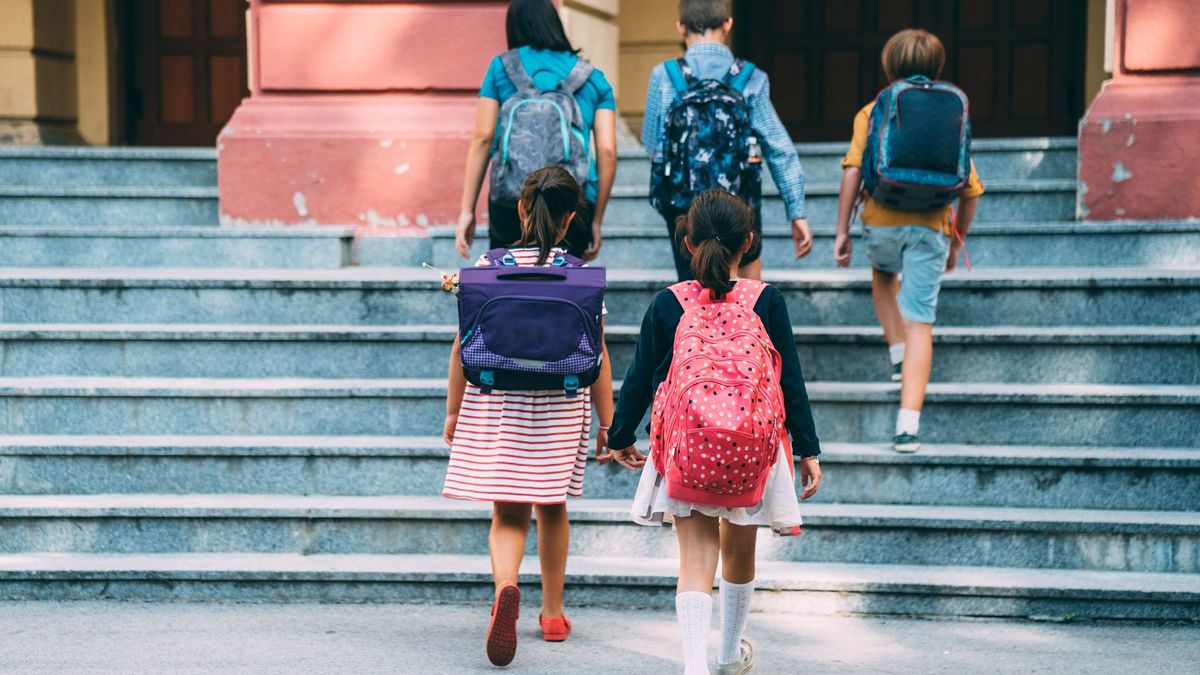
(717,421)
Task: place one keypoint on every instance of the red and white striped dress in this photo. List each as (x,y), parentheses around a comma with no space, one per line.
(520,446)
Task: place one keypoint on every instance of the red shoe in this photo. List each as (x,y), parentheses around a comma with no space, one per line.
(502,631)
(556,629)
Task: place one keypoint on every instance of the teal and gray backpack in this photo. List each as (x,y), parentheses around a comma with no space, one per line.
(538,129)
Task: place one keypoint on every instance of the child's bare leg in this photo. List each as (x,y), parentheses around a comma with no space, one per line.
(751,270)
(918,360)
(885,286)
(506,541)
(737,552)
(699,544)
(554,538)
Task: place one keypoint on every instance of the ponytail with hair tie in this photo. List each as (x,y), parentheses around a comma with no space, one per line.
(549,196)
(717,225)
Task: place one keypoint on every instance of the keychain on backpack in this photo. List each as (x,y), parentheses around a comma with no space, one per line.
(449,281)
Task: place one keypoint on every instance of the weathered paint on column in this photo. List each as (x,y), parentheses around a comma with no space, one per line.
(360,113)
(1138,142)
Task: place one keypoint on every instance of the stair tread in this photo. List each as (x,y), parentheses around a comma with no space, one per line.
(246,505)
(398,276)
(200,231)
(111,191)
(822,391)
(773,575)
(829,189)
(433,446)
(159,331)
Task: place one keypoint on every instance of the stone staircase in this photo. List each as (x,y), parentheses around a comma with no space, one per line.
(193,412)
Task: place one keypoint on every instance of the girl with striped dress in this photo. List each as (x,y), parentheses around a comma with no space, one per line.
(526,450)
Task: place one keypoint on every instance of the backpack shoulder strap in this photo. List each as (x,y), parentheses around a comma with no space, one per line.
(687,293)
(568,260)
(579,75)
(746,292)
(511,60)
(739,75)
(680,74)
(500,257)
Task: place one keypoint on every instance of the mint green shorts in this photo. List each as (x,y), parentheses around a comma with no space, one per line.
(918,254)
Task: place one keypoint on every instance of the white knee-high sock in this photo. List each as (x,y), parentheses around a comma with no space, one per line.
(735,607)
(694,611)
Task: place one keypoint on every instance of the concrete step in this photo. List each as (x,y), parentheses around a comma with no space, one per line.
(990,245)
(56,166)
(178,246)
(1093,415)
(408,296)
(1041,477)
(107,205)
(1005,201)
(1127,541)
(1115,355)
(808,588)
(995,159)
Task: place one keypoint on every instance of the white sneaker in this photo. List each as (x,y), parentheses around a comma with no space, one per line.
(740,667)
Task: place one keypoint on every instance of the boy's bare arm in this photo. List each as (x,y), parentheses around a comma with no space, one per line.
(851,183)
(966,214)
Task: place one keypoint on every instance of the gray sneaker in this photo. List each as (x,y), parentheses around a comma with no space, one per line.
(740,667)
(906,443)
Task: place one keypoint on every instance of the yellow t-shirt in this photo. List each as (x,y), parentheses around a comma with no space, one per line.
(874,213)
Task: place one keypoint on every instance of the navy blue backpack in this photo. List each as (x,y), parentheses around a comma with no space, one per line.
(707,141)
(531,328)
(918,152)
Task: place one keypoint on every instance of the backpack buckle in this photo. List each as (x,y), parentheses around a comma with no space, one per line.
(488,379)
(559,260)
(508,260)
(571,385)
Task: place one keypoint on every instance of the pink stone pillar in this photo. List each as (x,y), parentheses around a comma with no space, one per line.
(1139,143)
(359,113)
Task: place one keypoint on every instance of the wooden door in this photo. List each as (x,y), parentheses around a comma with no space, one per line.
(1021,62)
(189,66)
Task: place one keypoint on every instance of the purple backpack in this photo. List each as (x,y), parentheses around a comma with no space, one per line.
(525,328)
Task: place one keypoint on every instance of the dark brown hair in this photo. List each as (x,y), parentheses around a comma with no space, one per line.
(535,23)
(698,16)
(718,225)
(913,52)
(549,195)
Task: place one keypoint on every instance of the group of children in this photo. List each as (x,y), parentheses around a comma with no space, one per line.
(715,361)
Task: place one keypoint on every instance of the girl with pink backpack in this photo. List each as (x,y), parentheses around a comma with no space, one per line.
(718,357)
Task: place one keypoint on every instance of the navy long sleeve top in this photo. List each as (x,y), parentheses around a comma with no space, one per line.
(652,362)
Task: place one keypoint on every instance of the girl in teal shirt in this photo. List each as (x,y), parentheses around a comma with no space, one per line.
(536,32)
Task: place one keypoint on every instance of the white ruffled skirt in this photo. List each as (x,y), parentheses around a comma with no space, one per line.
(779,508)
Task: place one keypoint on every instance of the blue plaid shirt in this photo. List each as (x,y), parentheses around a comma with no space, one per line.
(710,60)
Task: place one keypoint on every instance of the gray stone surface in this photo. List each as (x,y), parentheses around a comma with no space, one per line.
(990,245)
(312,638)
(1100,355)
(389,296)
(417,638)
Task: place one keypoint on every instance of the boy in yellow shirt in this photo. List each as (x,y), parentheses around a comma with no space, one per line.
(909,250)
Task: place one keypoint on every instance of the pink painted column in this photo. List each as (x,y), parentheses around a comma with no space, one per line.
(1139,143)
(359,113)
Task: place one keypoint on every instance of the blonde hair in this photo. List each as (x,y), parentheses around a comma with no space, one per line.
(913,52)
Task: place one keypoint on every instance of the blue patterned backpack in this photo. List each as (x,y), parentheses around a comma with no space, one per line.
(708,140)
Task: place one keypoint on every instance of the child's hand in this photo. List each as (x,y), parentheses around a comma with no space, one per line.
(952,261)
(842,249)
(464,235)
(810,476)
(801,237)
(629,457)
(602,454)
(449,427)
(597,239)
